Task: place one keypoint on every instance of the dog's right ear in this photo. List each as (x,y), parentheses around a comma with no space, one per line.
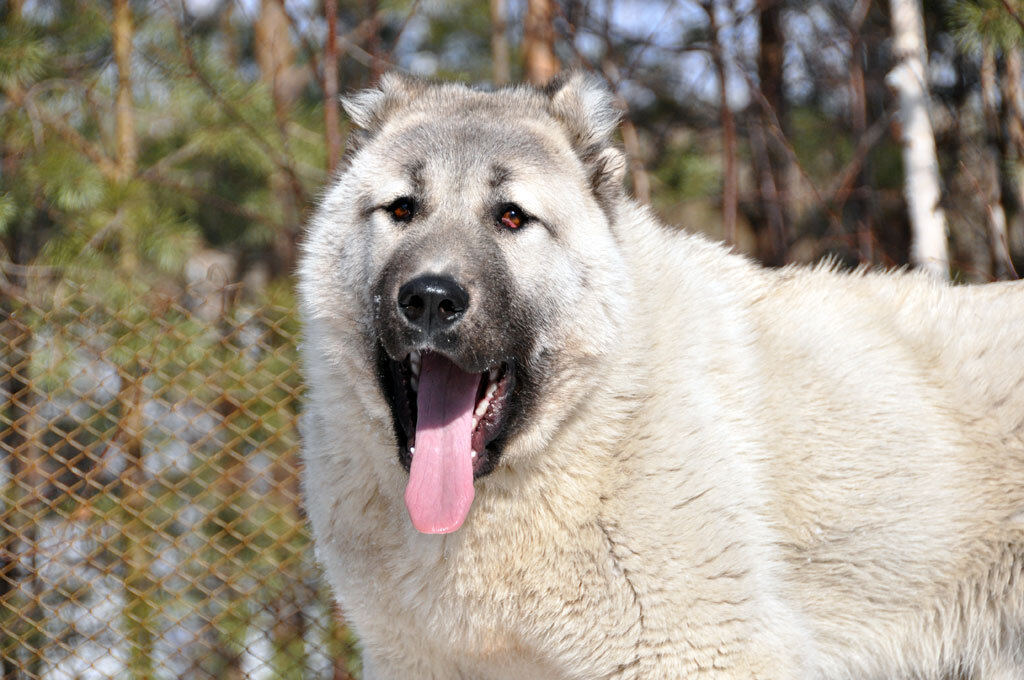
(585,106)
(369,109)
(587,110)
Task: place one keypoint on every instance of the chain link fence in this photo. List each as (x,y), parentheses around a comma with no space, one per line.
(151,524)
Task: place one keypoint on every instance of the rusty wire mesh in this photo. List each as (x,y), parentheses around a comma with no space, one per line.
(150,523)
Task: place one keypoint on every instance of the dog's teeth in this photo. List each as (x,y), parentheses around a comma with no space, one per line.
(414,381)
(475,420)
(481,408)
(474,454)
(493,375)
(412,450)
(491,389)
(414,357)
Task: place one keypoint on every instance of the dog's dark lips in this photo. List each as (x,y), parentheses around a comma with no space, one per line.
(400,382)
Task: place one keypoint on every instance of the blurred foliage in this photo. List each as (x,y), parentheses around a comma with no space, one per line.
(979,23)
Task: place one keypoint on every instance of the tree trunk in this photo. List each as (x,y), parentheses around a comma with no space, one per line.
(861,205)
(124,125)
(20,615)
(1013,157)
(922,189)
(340,644)
(499,42)
(772,163)
(540,62)
(231,42)
(127,147)
(631,143)
(630,139)
(225,607)
(373,41)
(230,465)
(138,584)
(288,632)
(276,57)
(14,9)
(730,179)
(1014,98)
(999,243)
(331,86)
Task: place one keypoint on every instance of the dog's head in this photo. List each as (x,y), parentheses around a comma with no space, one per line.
(466,252)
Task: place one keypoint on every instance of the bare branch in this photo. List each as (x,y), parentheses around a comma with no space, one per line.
(1013,13)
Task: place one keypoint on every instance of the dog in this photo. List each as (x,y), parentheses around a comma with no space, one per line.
(549,437)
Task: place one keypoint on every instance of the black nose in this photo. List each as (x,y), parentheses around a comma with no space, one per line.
(432,302)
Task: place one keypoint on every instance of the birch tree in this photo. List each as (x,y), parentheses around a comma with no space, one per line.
(908,78)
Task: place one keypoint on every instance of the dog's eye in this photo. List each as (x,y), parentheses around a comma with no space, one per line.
(402,209)
(511,216)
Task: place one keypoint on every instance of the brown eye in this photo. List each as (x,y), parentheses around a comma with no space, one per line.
(512,216)
(402,209)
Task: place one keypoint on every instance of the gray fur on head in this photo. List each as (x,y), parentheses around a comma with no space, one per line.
(581,104)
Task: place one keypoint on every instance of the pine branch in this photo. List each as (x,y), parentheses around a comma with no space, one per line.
(154,176)
(70,135)
(196,72)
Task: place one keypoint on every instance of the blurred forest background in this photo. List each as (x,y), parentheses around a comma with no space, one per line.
(159,159)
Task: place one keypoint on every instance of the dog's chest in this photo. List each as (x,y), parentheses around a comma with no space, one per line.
(503,608)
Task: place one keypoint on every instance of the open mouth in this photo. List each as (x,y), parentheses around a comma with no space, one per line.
(492,390)
(448,422)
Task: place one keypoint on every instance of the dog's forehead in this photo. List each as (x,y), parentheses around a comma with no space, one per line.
(469,145)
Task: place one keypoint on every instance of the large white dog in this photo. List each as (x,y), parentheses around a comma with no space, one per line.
(549,437)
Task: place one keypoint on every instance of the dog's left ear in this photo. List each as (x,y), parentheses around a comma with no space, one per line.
(586,109)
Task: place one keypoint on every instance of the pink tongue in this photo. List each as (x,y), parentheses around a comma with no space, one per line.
(440,488)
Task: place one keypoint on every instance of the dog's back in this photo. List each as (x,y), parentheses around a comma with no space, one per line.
(979,331)
(903,517)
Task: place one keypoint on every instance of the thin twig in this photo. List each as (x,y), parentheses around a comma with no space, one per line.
(776,130)
(841,186)
(389,57)
(1013,13)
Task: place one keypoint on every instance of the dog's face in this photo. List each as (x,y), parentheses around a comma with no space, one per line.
(466,254)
